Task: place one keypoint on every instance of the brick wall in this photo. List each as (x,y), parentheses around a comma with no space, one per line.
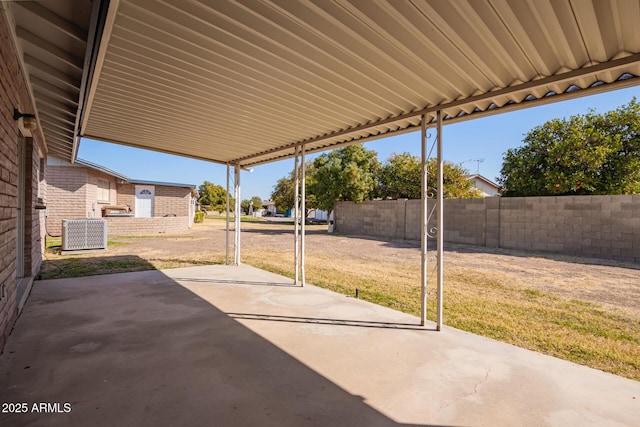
(14,94)
(167,200)
(92,192)
(140,226)
(67,195)
(596,226)
(126,195)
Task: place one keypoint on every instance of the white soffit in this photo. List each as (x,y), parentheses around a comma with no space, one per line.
(51,37)
(246,81)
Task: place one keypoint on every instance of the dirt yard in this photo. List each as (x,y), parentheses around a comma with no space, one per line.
(613,285)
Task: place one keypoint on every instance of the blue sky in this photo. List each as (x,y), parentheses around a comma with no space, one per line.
(485,138)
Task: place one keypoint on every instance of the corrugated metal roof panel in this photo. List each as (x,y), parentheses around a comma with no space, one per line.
(246,81)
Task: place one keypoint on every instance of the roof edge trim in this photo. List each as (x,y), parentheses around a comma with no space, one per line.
(99,14)
(104,14)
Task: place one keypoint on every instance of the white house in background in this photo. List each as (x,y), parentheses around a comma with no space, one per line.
(488,187)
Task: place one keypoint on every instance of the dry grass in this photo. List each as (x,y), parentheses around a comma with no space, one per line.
(485,304)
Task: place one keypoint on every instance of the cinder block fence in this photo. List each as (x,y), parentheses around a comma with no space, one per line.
(594,226)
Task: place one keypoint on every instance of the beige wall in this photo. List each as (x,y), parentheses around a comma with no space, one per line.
(141,226)
(168,201)
(73,194)
(597,226)
(14,94)
(67,190)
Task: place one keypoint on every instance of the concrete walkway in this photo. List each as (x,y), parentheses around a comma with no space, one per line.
(237,346)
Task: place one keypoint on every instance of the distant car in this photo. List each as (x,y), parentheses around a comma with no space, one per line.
(279,215)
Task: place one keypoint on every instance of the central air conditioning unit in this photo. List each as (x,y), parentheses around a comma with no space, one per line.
(81,234)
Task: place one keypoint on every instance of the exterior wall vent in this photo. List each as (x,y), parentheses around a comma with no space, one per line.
(82,234)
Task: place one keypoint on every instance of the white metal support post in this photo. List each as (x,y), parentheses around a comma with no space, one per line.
(303,213)
(423,224)
(296,206)
(236,194)
(440,226)
(227,220)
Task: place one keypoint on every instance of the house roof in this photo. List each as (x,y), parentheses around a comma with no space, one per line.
(484,179)
(247,82)
(108,171)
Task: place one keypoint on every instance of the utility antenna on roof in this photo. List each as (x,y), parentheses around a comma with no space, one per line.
(478,161)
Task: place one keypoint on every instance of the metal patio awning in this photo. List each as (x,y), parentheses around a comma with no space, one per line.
(246,81)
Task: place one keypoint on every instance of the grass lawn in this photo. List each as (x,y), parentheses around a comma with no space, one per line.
(485,304)
(57,266)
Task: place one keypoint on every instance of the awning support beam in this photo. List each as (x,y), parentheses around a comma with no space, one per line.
(440,226)
(296,213)
(303,204)
(423,223)
(226,235)
(236,194)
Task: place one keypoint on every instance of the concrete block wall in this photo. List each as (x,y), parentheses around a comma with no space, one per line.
(141,226)
(14,93)
(594,226)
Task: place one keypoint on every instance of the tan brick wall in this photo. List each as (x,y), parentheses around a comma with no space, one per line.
(141,226)
(92,192)
(14,94)
(67,195)
(172,201)
(126,195)
(596,226)
(167,200)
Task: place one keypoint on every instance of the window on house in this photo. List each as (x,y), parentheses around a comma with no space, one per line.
(103,190)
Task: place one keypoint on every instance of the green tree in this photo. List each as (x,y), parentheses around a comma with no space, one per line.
(347,173)
(587,154)
(246,204)
(214,196)
(455,182)
(400,177)
(283,194)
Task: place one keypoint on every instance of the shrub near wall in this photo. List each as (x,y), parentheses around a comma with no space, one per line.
(595,226)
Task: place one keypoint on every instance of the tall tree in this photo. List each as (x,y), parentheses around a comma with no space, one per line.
(586,154)
(347,173)
(283,194)
(245,205)
(400,177)
(214,196)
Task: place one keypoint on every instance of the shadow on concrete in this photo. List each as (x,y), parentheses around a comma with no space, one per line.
(336,322)
(236,282)
(140,349)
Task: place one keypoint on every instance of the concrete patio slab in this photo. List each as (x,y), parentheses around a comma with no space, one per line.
(238,346)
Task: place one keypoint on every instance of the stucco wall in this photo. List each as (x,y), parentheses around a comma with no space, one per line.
(598,226)
(14,94)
